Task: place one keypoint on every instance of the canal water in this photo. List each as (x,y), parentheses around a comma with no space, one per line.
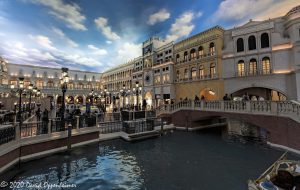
(205,160)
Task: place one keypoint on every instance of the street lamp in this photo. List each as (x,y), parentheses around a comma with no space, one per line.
(30,88)
(92,97)
(105,94)
(20,91)
(137,90)
(64,86)
(123,93)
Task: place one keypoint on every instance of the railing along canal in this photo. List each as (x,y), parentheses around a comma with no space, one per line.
(106,123)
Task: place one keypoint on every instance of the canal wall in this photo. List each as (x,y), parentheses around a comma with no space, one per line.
(26,149)
(283,132)
(34,147)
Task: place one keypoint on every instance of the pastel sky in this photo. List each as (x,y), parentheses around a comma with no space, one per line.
(95,35)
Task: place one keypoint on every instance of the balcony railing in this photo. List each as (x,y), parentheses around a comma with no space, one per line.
(198,78)
(256,73)
(198,57)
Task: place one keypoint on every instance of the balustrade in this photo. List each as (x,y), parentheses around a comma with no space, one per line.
(7,134)
(282,108)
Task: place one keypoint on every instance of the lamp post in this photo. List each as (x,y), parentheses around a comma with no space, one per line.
(105,95)
(137,89)
(64,86)
(30,89)
(123,93)
(20,91)
(92,97)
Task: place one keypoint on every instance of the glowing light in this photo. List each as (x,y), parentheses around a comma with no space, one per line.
(211,92)
(281,71)
(282,47)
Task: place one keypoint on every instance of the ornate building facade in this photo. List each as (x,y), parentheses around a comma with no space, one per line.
(261,58)
(48,81)
(198,65)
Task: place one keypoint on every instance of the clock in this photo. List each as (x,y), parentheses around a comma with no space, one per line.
(147,78)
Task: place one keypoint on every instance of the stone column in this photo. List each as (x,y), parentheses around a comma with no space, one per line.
(49,127)
(77,122)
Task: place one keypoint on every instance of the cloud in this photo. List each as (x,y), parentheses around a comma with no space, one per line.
(96,50)
(101,24)
(43,41)
(159,16)
(16,53)
(108,42)
(237,10)
(63,36)
(277,9)
(74,59)
(182,27)
(126,51)
(68,13)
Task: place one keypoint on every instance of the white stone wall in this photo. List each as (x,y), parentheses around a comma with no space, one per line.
(284,54)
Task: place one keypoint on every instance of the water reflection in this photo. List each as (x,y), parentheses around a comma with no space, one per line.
(181,160)
(106,169)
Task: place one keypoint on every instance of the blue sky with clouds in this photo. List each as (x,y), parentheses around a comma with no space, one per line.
(95,35)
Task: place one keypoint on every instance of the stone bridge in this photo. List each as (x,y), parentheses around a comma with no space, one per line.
(281,119)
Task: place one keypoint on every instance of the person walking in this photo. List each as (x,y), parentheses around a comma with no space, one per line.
(38,114)
(226,98)
(45,120)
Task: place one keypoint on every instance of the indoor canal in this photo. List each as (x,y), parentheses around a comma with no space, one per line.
(203,160)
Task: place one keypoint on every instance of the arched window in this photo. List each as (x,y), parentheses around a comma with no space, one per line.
(200,51)
(84,78)
(212,48)
(185,56)
(266,68)
(45,74)
(178,75)
(33,73)
(212,70)
(194,72)
(201,71)
(252,43)
(76,76)
(253,67)
(193,54)
(186,74)
(240,45)
(241,68)
(264,40)
(93,78)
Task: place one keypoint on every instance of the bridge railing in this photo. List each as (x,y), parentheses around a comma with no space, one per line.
(281,108)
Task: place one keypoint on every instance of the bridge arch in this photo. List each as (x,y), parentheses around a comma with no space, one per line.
(268,93)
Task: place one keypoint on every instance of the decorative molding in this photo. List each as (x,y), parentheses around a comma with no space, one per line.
(251,29)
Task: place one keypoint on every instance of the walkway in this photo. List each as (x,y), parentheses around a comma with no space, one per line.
(290,109)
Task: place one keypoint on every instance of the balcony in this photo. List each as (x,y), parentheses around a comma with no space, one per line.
(198,57)
(257,73)
(198,78)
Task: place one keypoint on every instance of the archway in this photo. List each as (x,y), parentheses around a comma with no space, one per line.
(70,100)
(256,93)
(79,100)
(59,100)
(148,98)
(208,94)
(97,100)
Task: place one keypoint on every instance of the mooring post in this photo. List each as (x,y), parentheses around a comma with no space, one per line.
(69,136)
(161,127)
